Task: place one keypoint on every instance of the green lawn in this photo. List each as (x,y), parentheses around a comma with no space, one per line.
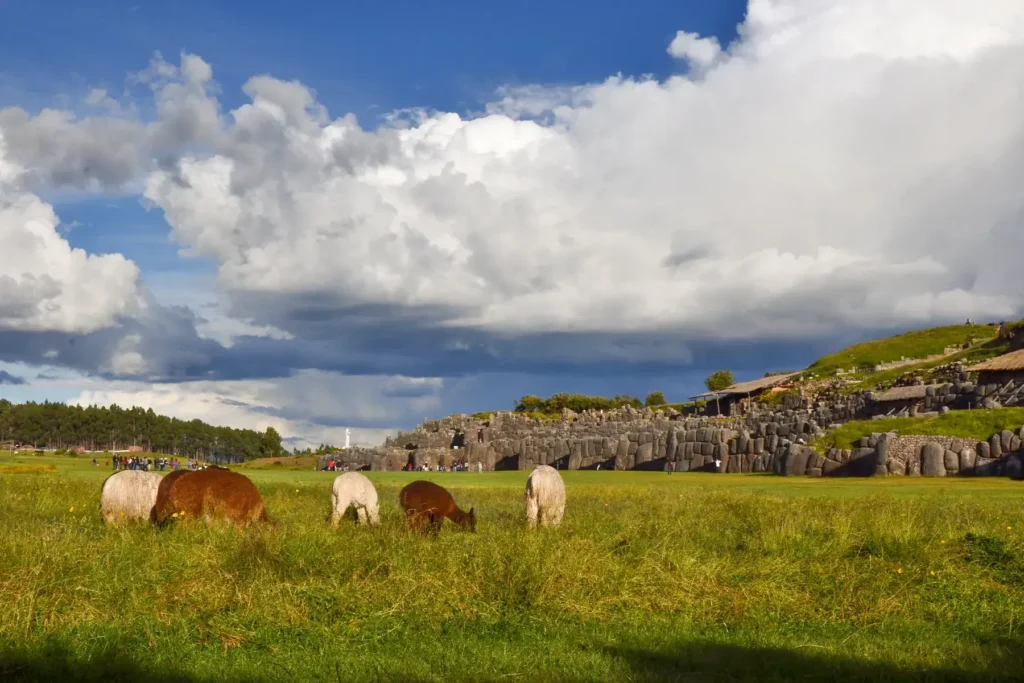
(651,577)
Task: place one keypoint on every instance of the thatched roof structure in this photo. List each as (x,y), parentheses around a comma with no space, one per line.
(1008,362)
(902,394)
(758,384)
(751,387)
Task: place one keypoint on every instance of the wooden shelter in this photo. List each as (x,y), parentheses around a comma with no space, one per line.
(734,399)
(898,399)
(1001,369)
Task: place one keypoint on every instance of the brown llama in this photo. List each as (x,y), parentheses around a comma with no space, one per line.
(211,493)
(426,505)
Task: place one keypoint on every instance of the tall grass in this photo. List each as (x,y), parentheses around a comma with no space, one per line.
(709,577)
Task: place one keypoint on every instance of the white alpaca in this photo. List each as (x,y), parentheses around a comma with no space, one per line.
(128,495)
(354,489)
(545,497)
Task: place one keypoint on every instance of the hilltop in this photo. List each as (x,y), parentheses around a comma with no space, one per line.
(917,355)
(920,354)
(927,344)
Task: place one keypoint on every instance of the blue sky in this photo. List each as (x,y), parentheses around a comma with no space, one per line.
(360,57)
(738,199)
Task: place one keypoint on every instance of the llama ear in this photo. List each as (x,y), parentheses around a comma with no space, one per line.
(471,512)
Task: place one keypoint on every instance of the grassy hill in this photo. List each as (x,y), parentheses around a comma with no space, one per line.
(925,347)
(915,344)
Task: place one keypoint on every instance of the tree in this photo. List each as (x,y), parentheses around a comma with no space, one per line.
(719,380)
(655,398)
(55,425)
(270,443)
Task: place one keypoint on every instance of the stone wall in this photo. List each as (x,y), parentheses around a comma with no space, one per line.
(624,439)
(928,456)
(766,439)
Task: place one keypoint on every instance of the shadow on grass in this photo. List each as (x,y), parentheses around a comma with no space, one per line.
(695,662)
(716,662)
(53,662)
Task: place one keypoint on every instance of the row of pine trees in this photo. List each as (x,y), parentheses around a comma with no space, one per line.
(59,426)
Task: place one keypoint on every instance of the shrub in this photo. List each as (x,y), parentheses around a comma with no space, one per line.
(574,402)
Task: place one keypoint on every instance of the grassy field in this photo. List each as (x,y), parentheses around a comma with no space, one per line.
(651,577)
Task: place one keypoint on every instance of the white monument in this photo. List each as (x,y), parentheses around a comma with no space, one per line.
(348,436)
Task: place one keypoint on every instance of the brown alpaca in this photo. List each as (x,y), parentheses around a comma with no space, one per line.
(163,495)
(426,505)
(212,493)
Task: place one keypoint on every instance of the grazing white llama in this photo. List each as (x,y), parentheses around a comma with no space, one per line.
(354,489)
(128,495)
(545,497)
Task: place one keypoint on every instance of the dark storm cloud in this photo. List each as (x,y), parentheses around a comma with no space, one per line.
(8,378)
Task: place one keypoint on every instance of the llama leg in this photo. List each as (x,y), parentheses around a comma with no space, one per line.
(415,520)
(435,524)
(532,511)
(340,506)
(361,514)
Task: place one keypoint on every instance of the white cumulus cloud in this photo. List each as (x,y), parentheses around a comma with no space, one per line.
(45,284)
(845,163)
(701,52)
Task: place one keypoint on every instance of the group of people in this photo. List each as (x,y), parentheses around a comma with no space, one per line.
(124,462)
(457,466)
